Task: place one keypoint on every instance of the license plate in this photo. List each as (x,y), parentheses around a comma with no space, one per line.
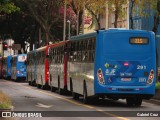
(125,79)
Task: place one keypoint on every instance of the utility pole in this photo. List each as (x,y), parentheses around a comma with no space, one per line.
(69,29)
(64,25)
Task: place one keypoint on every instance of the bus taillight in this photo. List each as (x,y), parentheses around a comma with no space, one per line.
(150,77)
(100,76)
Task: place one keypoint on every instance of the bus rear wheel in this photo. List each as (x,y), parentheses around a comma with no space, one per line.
(75,96)
(134,101)
(29,82)
(86,99)
(138,102)
(130,101)
(53,89)
(39,86)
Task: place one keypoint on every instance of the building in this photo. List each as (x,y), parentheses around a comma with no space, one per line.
(107,20)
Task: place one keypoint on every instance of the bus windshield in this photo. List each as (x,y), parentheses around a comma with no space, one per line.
(22,58)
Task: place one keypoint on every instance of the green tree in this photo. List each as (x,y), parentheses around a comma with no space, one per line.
(97,8)
(20,26)
(78,8)
(141,7)
(7,6)
(117,7)
(46,13)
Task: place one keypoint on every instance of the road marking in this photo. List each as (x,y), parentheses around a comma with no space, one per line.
(113,115)
(79,104)
(43,105)
(71,101)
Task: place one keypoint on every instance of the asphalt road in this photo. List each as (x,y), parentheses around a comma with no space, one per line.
(31,99)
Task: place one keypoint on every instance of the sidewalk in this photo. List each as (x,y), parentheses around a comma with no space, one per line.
(155,99)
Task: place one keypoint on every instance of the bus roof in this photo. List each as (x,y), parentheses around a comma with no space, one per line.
(84,36)
(126,30)
(41,48)
(57,44)
(93,34)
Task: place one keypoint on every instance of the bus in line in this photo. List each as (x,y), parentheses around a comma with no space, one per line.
(7,67)
(114,64)
(18,67)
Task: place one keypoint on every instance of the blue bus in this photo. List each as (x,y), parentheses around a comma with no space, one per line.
(114,64)
(7,67)
(18,67)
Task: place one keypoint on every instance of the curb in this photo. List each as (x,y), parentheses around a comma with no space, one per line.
(154,101)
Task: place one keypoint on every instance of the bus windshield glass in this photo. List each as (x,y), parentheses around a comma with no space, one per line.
(22,58)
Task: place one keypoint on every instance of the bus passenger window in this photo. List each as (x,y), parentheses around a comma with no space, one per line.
(85,56)
(93,44)
(79,56)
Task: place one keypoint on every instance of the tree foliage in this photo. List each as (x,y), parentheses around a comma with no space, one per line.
(46,13)
(117,7)
(6,6)
(142,8)
(78,8)
(97,8)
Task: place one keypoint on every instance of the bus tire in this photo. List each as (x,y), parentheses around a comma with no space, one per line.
(53,89)
(138,102)
(75,96)
(71,85)
(59,87)
(85,96)
(130,101)
(38,86)
(29,82)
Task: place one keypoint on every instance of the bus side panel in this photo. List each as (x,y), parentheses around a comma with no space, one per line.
(5,68)
(46,71)
(40,73)
(158,50)
(80,72)
(56,67)
(35,65)
(1,67)
(9,66)
(28,69)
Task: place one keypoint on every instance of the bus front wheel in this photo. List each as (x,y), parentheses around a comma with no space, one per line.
(86,99)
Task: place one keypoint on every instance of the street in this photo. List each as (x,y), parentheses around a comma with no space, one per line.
(31,99)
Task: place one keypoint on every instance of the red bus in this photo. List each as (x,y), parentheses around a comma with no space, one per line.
(58,57)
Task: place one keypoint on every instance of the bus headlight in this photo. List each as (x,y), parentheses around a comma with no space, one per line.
(150,77)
